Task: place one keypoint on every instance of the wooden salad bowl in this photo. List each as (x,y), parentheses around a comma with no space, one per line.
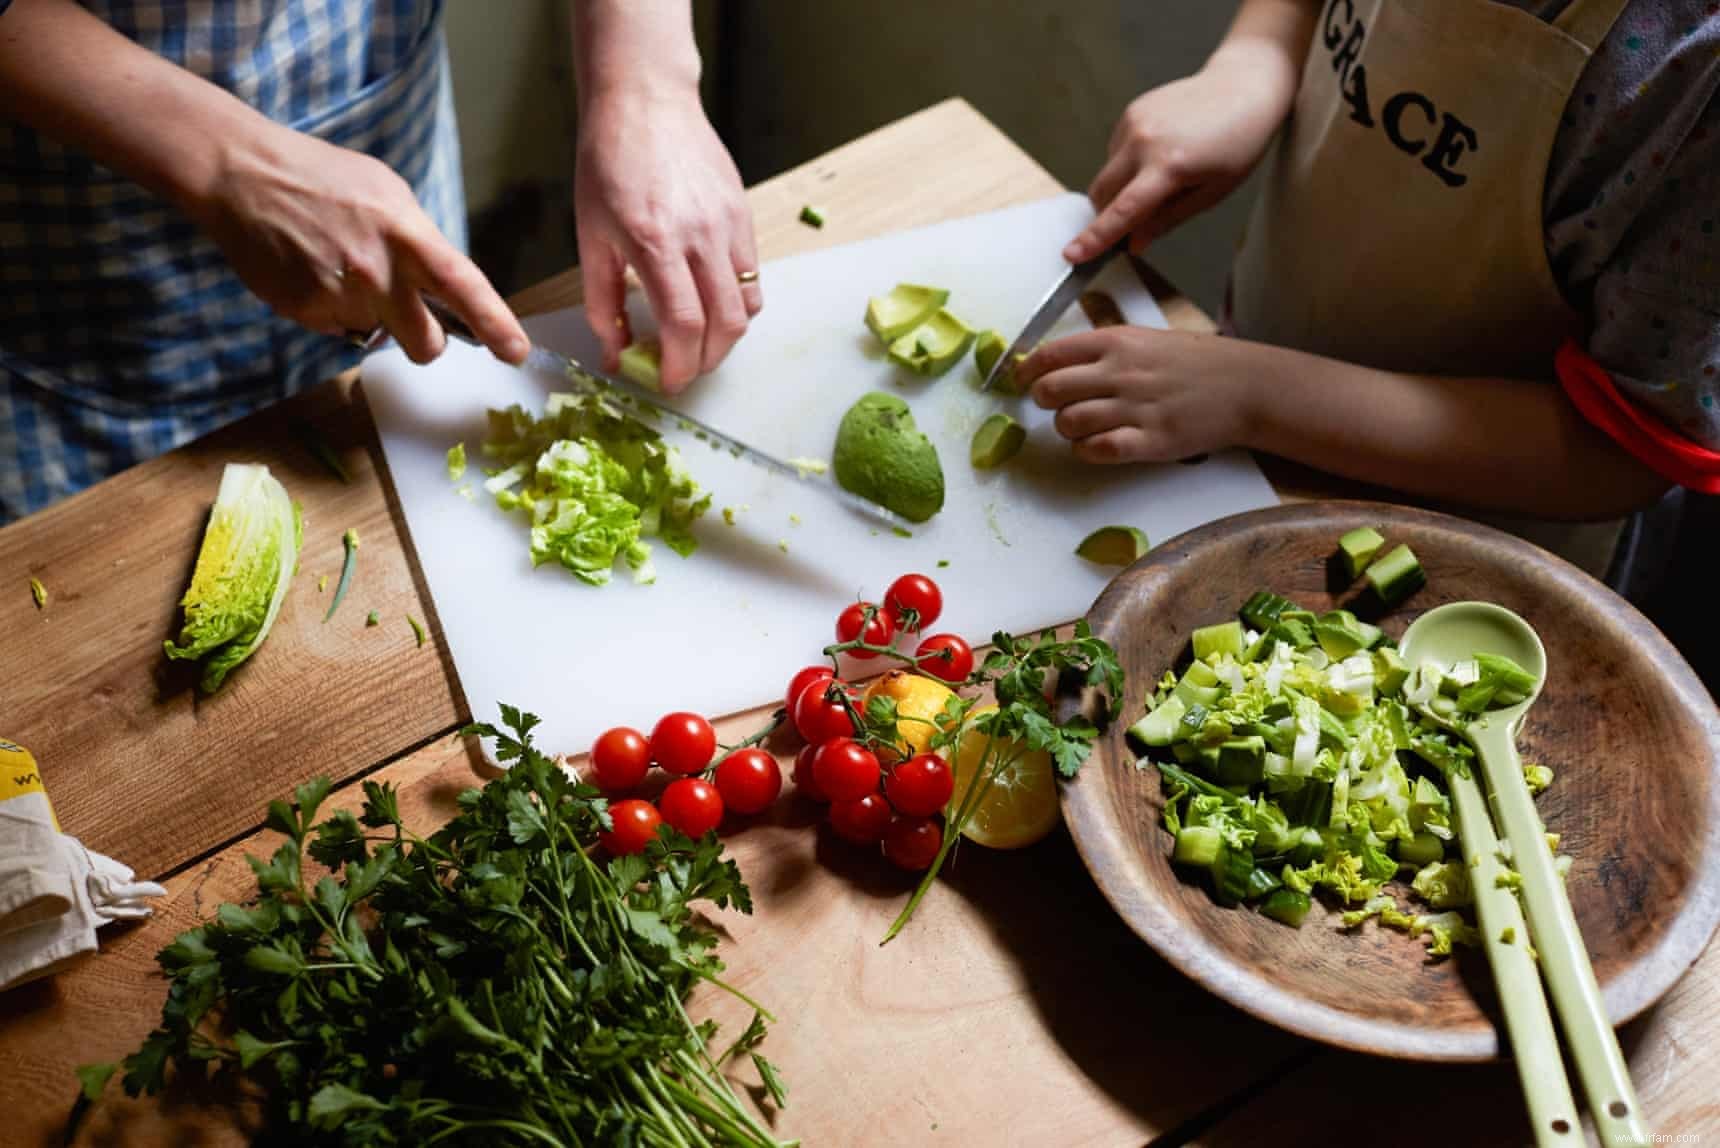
(1632,735)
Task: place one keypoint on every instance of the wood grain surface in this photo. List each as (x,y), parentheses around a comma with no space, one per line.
(141,766)
(1015,1008)
(1619,706)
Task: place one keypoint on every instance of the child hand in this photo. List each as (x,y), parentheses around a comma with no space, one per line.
(1182,147)
(1137,394)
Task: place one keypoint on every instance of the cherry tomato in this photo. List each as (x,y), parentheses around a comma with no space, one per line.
(800,681)
(635,824)
(920,786)
(749,780)
(692,805)
(683,743)
(916,602)
(953,668)
(912,842)
(845,769)
(879,631)
(819,717)
(862,822)
(619,758)
(804,783)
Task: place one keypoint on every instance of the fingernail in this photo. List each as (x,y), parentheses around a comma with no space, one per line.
(1072,253)
(519,348)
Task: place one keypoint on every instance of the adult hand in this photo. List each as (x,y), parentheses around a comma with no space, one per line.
(1138,394)
(1182,147)
(655,189)
(335,240)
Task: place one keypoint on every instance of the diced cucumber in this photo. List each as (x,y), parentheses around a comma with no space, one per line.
(1396,576)
(1339,633)
(1223,638)
(1160,727)
(1358,548)
(1422,849)
(1286,906)
(1390,672)
(1506,674)
(1242,760)
(1263,608)
(1198,845)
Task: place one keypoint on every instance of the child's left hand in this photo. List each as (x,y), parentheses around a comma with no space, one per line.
(1138,394)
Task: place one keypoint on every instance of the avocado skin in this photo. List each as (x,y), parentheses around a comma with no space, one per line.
(882,456)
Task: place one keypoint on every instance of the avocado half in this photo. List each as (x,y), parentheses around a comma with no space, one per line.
(882,456)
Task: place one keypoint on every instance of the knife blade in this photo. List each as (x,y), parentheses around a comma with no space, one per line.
(582,377)
(1059,299)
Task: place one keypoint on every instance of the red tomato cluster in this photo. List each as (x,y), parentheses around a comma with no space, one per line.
(745,780)
(869,805)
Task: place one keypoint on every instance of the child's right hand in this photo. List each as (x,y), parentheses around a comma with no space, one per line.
(1181,148)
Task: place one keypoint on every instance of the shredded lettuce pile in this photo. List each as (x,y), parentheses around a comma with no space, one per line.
(594,482)
(1295,763)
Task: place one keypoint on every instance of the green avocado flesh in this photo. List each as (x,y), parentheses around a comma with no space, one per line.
(907,306)
(934,346)
(1114,545)
(882,456)
(643,362)
(997,440)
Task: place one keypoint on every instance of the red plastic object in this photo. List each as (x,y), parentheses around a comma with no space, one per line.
(1669,454)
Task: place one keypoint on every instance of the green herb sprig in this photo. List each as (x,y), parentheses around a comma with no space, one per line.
(491,984)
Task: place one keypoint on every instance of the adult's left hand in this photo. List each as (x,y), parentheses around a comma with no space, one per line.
(655,190)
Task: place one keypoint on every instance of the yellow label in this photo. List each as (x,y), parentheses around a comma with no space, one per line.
(18,772)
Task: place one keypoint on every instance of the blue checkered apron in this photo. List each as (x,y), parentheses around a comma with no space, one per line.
(122,331)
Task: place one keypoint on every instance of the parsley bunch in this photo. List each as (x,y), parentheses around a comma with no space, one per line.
(490,984)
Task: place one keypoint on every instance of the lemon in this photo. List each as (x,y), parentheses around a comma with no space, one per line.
(919,703)
(1022,805)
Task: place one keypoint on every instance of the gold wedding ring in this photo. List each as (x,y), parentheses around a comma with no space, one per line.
(747,276)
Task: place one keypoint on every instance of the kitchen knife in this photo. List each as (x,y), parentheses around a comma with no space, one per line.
(1059,299)
(554,363)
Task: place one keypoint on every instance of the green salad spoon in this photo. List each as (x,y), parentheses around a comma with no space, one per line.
(1455,633)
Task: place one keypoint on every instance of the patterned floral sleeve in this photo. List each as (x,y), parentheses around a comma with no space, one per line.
(1633,210)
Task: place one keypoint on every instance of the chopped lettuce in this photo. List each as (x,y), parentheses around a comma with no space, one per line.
(457,462)
(249,553)
(595,483)
(1303,761)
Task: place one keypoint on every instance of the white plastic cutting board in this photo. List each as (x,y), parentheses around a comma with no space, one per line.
(723,630)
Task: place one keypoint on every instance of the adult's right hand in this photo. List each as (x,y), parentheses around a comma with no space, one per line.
(335,240)
(1180,148)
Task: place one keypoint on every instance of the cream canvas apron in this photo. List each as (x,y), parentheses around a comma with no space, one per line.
(1400,226)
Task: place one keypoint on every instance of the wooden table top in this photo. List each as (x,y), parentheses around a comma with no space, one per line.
(1015,1009)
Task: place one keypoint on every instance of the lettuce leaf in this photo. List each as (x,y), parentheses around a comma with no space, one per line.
(249,554)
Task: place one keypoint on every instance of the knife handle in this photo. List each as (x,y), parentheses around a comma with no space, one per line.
(445,316)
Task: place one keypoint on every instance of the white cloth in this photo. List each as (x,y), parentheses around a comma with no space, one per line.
(54,893)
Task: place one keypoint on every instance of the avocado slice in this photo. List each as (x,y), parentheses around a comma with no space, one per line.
(997,440)
(934,346)
(988,347)
(643,363)
(1114,546)
(906,306)
(882,456)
